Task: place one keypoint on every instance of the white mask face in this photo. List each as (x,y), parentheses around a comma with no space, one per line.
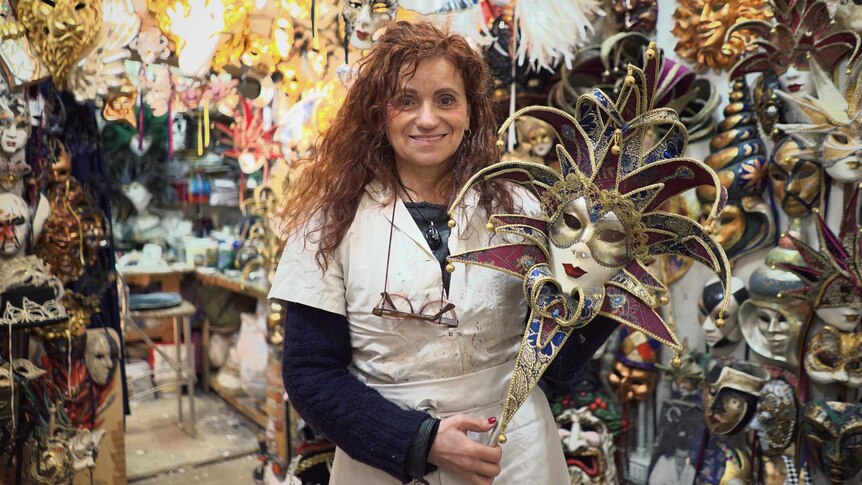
(14,224)
(583,253)
(100,357)
(363,18)
(138,195)
(14,122)
(845,319)
(178,132)
(796,81)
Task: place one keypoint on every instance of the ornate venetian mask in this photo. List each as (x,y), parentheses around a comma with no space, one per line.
(61,162)
(12,172)
(834,434)
(709,308)
(121,106)
(687,379)
(14,225)
(362,18)
(93,227)
(738,157)
(775,418)
(60,31)
(701,26)
(770,321)
(14,122)
(20,63)
(795,177)
(730,396)
(586,249)
(835,357)
(536,134)
(588,446)
(101,355)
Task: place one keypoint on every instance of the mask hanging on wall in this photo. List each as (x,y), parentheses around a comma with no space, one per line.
(363,18)
(770,320)
(832,273)
(730,396)
(795,176)
(634,374)
(687,379)
(738,155)
(702,29)
(19,63)
(728,334)
(60,31)
(833,123)
(588,447)
(14,122)
(635,15)
(775,418)
(101,355)
(832,430)
(834,357)
(14,225)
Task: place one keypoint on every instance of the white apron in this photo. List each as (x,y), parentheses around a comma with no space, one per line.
(417,365)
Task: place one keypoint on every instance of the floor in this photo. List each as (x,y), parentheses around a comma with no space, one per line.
(158,451)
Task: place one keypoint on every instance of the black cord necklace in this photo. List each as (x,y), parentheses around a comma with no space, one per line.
(431,235)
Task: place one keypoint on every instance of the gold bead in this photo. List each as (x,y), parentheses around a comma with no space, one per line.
(650,54)
(630,80)
(664,300)
(489,226)
(615,149)
(719,322)
(780,295)
(450,268)
(502,439)
(500,144)
(451,223)
(676,362)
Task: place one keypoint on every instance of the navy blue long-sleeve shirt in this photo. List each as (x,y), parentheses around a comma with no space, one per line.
(358,419)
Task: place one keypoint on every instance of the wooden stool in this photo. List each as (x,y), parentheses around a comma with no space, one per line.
(184,368)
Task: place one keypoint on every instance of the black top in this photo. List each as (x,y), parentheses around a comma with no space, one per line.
(425,213)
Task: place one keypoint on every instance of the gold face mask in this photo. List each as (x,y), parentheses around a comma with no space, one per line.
(795,178)
(60,31)
(835,357)
(631,383)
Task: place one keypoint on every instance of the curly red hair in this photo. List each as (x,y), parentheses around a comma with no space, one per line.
(354,150)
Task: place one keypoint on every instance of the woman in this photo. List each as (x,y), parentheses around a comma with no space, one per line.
(411,380)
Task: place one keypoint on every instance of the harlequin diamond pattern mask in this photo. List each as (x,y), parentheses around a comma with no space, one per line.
(601,220)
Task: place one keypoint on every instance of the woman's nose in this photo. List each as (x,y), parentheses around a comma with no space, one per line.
(427,116)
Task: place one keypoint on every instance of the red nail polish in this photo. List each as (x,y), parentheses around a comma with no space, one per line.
(492,420)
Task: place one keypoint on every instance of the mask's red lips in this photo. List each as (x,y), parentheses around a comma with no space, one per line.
(574,272)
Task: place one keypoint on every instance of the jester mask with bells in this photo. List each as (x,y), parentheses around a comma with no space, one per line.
(584,255)
(60,31)
(834,123)
(801,37)
(833,274)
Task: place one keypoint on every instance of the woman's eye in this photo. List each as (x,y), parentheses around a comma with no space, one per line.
(447,100)
(572,221)
(611,236)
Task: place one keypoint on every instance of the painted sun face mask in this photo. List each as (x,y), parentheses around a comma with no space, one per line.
(709,308)
(702,27)
(362,18)
(835,357)
(775,418)
(605,202)
(14,225)
(730,396)
(60,31)
(771,321)
(833,274)
(834,434)
(14,122)
(795,177)
(738,156)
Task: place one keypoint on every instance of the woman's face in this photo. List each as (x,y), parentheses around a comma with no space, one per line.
(427,118)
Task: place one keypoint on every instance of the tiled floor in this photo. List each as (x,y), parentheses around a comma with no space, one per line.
(159,451)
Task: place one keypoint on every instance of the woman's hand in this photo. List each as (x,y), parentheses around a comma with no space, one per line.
(453,450)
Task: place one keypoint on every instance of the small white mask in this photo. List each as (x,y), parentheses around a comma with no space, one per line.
(363,18)
(14,224)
